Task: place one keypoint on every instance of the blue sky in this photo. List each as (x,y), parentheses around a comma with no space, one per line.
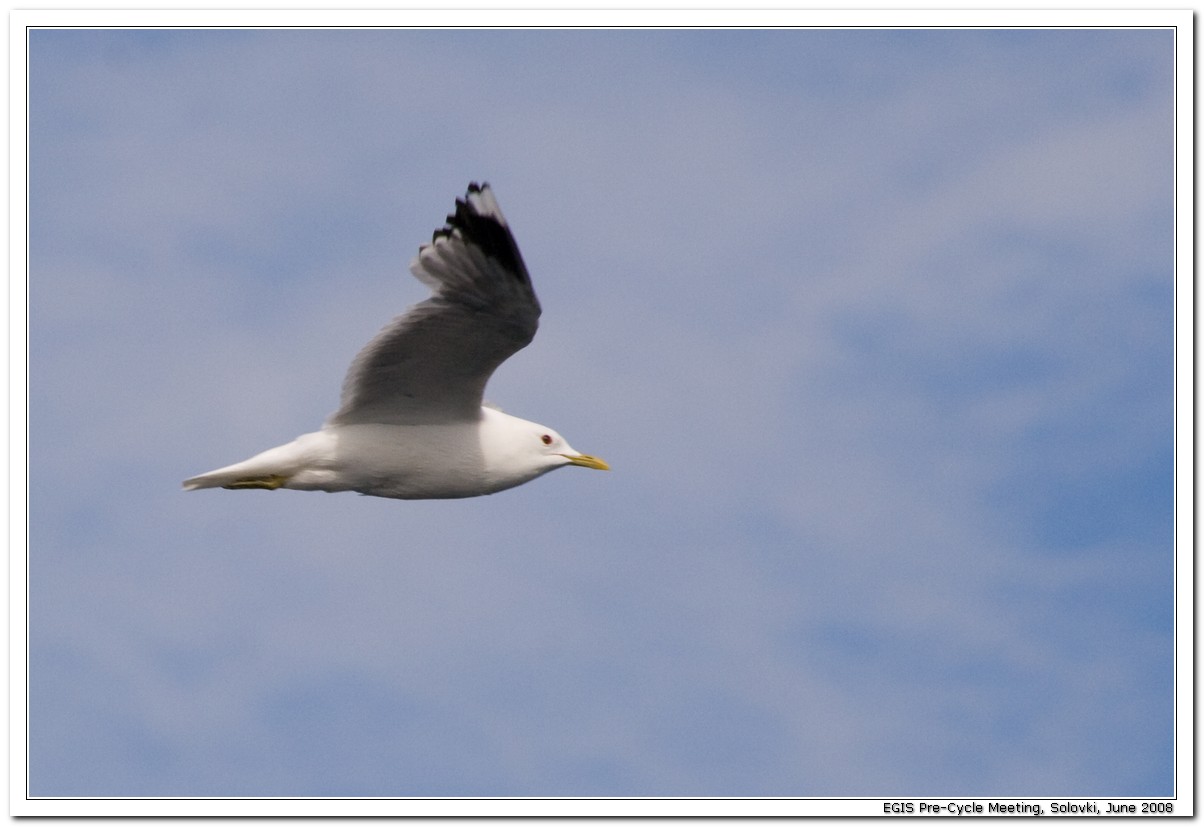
(873,326)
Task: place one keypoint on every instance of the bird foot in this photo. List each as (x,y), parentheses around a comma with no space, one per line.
(270,481)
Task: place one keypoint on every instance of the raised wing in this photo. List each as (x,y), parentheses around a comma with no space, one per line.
(431,363)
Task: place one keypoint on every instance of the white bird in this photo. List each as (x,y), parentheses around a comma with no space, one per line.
(412,423)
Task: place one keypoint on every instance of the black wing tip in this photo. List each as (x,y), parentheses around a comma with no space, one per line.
(464,204)
(487,231)
(456,220)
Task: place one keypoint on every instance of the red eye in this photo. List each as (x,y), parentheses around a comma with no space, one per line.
(547,439)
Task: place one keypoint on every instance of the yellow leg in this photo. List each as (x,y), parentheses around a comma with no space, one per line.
(270,482)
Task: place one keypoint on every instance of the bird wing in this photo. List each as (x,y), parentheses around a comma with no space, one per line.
(431,363)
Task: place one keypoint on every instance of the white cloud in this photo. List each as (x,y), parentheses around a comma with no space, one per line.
(775,315)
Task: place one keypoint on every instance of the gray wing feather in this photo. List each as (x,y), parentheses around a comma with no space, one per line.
(431,364)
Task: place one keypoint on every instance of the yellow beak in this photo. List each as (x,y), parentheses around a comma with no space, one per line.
(586,461)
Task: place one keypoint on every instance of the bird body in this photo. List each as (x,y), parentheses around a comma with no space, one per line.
(407,462)
(411,424)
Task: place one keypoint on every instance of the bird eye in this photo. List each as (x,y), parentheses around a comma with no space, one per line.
(547,439)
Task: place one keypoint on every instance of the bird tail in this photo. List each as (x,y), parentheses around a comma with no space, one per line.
(262,471)
(217,479)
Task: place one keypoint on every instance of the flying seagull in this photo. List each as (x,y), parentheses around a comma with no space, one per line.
(411,422)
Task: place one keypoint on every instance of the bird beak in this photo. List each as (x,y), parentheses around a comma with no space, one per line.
(586,461)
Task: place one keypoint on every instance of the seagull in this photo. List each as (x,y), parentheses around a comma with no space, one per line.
(412,423)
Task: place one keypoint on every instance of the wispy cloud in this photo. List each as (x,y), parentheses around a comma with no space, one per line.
(875,333)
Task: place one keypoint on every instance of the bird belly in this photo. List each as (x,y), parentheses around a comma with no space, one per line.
(404,462)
